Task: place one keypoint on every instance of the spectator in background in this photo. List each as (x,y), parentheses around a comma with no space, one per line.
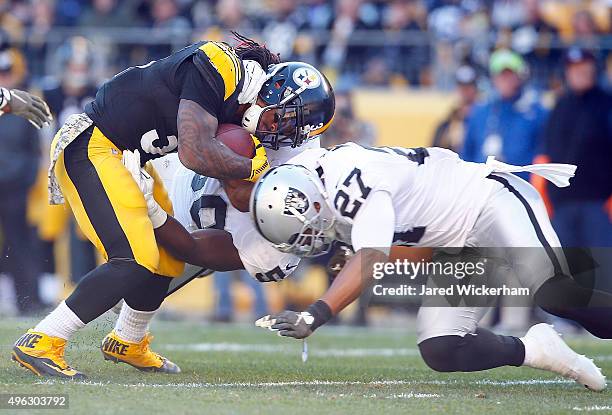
(346,126)
(375,73)
(224,308)
(9,23)
(165,15)
(535,39)
(12,61)
(509,125)
(75,58)
(68,11)
(507,13)
(585,30)
(406,19)
(231,16)
(18,160)
(451,132)
(579,131)
(105,13)
(318,13)
(351,16)
(41,22)
(588,36)
(77,87)
(281,30)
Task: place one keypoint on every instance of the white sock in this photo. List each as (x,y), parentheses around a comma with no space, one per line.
(61,322)
(132,325)
(528,357)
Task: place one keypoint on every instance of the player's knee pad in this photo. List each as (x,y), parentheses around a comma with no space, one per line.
(149,295)
(439,352)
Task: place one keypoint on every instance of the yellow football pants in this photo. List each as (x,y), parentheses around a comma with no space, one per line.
(108,204)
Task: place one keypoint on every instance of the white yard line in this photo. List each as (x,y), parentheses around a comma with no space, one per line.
(277,348)
(523,382)
(313,383)
(592,408)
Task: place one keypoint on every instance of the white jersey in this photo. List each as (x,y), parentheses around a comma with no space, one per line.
(435,196)
(200,202)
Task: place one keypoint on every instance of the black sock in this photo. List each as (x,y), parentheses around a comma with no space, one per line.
(472,352)
(104,286)
(149,295)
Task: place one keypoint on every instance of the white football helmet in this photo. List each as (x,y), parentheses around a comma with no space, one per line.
(290,208)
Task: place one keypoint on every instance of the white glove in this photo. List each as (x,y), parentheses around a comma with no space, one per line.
(254,78)
(131,161)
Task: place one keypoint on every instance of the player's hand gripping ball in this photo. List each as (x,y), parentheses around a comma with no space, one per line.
(241,142)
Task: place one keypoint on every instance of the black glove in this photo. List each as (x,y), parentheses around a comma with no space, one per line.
(292,324)
(298,325)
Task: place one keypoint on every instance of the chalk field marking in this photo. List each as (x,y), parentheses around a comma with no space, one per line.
(275,348)
(313,383)
(592,408)
(319,352)
(270,348)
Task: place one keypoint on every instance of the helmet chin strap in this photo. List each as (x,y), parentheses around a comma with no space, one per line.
(250,119)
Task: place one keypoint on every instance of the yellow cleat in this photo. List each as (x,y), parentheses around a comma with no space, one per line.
(43,355)
(138,355)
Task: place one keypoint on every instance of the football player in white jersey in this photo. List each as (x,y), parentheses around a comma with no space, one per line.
(201,203)
(373,198)
(207,232)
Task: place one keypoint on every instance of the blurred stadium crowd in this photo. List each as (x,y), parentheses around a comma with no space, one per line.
(531,80)
(416,42)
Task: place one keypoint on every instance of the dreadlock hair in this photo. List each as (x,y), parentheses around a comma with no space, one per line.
(251,50)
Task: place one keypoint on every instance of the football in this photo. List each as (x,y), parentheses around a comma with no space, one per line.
(237,139)
(240,142)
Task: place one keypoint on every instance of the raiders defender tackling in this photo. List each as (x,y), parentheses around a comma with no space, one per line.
(434,200)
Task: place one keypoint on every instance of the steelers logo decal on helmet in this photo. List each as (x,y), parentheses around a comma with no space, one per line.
(307,77)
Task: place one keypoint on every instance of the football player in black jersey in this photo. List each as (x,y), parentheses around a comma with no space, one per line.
(174,104)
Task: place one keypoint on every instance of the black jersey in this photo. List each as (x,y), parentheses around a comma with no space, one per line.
(137,108)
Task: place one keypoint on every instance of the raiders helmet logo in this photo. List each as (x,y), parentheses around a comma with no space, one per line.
(296,200)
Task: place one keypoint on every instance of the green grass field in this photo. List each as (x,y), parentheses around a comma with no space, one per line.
(240,369)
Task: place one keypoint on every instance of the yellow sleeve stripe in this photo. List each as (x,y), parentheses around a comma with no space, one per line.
(226,62)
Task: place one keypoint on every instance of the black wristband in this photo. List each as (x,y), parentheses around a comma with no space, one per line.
(321,313)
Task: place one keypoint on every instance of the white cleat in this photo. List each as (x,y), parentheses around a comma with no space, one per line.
(544,349)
